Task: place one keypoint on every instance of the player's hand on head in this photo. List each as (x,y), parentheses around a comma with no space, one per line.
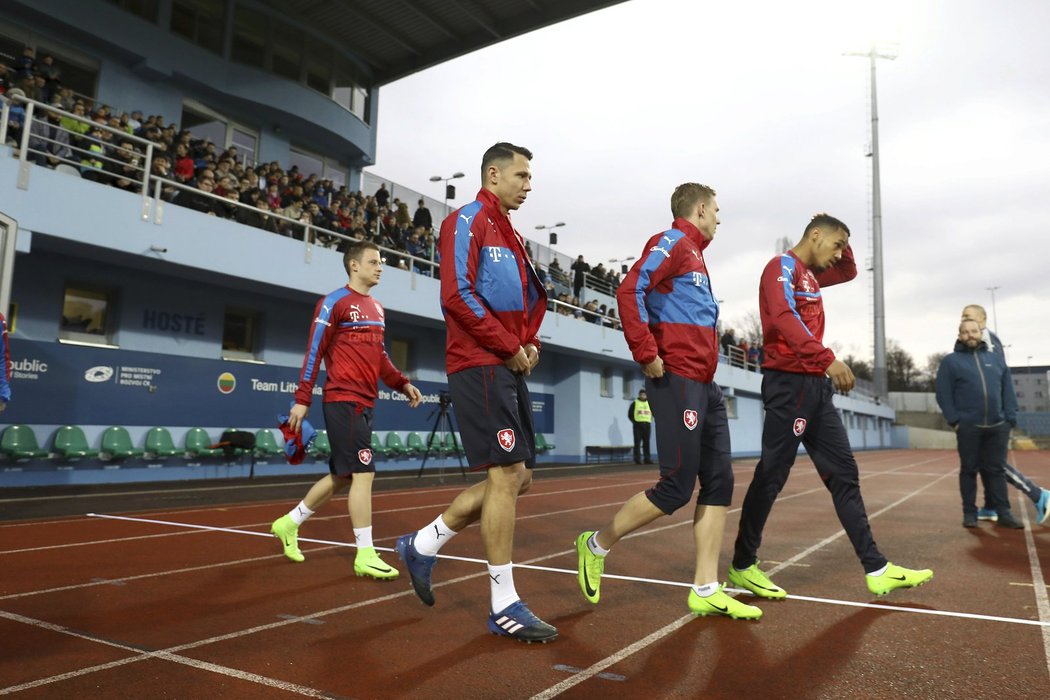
(841,376)
(413,394)
(518,363)
(655,369)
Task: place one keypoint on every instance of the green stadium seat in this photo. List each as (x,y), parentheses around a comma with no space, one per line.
(437,447)
(71,443)
(197,442)
(415,446)
(452,445)
(377,446)
(394,446)
(266,444)
(542,445)
(321,447)
(116,444)
(159,444)
(19,442)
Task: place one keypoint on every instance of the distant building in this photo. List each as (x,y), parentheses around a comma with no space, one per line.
(1032,385)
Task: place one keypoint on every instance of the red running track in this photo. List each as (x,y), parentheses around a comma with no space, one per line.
(154,605)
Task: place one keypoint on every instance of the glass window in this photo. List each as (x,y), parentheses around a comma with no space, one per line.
(628,385)
(249,36)
(730,404)
(146,9)
(607,382)
(308,163)
(287,48)
(400,351)
(246,143)
(319,68)
(334,172)
(87,314)
(201,21)
(205,126)
(240,334)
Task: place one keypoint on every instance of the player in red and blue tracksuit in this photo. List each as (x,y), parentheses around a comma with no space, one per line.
(493,303)
(5,372)
(347,334)
(669,314)
(799,379)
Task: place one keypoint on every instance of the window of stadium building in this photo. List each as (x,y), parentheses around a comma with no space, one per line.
(76,71)
(730,403)
(201,21)
(249,36)
(401,353)
(87,314)
(240,335)
(607,382)
(628,385)
(146,9)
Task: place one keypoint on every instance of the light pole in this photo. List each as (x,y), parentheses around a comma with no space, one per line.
(550,229)
(995,321)
(623,263)
(876,51)
(450,190)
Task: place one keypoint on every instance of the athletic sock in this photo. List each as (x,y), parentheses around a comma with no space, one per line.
(501,582)
(592,544)
(706,590)
(300,513)
(433,537)
(363,537)
(879,572)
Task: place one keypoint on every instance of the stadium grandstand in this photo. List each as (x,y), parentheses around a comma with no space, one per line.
(179,179)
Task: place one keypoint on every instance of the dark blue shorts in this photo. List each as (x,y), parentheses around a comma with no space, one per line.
(692,442)
(493,410)
(350,434)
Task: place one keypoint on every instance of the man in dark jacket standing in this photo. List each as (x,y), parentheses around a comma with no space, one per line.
(976,395)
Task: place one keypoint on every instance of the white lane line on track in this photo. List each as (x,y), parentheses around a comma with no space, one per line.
(659,634)
(436,506)
(141,656)
(1042,601)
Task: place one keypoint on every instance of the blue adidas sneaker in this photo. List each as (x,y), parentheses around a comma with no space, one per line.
(1042,507)
(987,514)
(419,567)
(518,622)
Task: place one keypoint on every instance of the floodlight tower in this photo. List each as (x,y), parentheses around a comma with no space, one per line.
(888,51)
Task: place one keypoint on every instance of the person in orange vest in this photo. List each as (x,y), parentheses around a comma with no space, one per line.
(641,418)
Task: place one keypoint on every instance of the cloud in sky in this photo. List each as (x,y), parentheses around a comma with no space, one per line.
(757,100)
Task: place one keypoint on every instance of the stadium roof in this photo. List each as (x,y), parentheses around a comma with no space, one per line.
(399,37)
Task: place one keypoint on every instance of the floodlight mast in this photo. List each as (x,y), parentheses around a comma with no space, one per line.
(888,51)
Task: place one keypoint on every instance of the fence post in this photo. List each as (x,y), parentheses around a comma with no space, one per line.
(23,167)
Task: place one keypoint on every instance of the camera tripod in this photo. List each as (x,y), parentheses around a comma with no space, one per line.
(445,424)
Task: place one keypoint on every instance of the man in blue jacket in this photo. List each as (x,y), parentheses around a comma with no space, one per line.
(976,396)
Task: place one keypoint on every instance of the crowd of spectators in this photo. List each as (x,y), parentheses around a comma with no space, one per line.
(741,353)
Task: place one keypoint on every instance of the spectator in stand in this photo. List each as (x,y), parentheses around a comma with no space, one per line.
(92,167)
(5,79)
(402,217)
(161,169)
(728,341)
(753,355)
(77,126)
(422,217)
(598,275)
(26,63)
(126,167)
(49,140)
(200,201)
(32,90)
(556,272)
(382,196)
(590,312)
(580,269)
(135,122)
(16,116)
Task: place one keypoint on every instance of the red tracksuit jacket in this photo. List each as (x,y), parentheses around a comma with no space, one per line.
(491,297)
(792,312)
(348,334)
(667,307)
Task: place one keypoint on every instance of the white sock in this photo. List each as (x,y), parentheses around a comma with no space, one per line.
(501,581)
(300,513)
(706,589)
(363,536)
(433,537)
(592,544)
(880,572)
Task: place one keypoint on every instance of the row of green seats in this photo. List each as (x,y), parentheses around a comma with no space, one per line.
(19,442)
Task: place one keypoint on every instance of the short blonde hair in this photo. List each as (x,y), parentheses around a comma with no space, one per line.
(688,195)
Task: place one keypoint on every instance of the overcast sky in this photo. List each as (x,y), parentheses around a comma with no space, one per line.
(757,100)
